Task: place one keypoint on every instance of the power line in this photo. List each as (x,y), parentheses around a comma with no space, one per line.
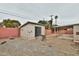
(12,14)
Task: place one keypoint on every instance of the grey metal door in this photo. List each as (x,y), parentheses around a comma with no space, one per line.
(37,31)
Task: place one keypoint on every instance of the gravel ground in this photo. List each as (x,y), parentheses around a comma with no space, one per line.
(25,47)
(52,46)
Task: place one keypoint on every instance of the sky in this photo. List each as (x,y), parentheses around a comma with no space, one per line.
(68,13)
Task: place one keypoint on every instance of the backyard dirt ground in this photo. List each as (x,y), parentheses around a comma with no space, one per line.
(52,46)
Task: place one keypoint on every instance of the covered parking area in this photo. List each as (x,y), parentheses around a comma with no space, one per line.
(67,29)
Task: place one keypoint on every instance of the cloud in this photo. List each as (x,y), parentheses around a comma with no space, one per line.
(68,13)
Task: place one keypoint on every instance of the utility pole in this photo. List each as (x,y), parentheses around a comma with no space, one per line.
(51,21)
(56,17)
(43,18)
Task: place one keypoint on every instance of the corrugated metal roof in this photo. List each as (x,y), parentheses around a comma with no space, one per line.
(67,25)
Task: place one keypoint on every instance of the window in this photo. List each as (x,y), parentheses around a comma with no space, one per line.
(77,33)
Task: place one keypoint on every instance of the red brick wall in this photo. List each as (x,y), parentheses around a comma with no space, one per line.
(62,31)
(48,31)
(70,31)
(9,32)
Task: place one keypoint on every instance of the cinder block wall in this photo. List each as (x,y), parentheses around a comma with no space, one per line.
(28,31)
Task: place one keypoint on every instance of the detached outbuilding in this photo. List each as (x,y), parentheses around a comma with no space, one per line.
(32,30)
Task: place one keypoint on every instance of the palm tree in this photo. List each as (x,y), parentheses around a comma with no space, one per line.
(56,17)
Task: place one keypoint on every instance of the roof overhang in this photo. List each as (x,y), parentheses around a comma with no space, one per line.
(30,23)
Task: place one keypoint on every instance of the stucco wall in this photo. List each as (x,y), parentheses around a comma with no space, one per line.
(48,31)
(9,32)
(28,31)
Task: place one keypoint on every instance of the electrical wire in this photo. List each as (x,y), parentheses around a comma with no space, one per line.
(11,14)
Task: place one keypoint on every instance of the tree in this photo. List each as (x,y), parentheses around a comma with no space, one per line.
(11,23)
(16,23)
(56,17)
(44,23)
(50,23)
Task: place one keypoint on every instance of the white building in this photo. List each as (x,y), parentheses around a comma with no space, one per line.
(32,30)
(76,32)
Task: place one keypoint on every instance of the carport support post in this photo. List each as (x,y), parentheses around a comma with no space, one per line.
(55,30)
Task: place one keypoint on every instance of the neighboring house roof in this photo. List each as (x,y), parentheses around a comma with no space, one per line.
(30,23)
(67,25)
